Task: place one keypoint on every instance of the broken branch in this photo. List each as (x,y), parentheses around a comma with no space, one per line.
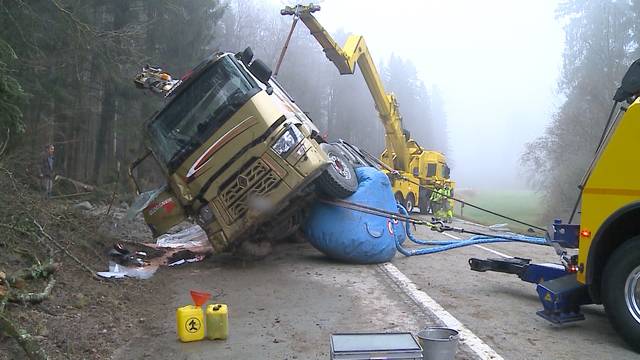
(33,298)
(24,339)
(34,272)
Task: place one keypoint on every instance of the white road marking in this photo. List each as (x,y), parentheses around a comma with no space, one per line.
(482,247)
(467,337)
(472,223)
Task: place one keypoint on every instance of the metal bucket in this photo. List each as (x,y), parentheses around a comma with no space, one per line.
(438,343)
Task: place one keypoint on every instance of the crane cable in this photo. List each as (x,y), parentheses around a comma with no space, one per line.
(397,174)
(438,226)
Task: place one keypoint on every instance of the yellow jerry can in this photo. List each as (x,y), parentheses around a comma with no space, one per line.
(217,322)
(190,323)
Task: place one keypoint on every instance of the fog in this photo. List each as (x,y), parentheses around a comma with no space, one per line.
(496,64)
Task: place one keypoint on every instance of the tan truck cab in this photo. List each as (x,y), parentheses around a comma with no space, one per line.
(239,156)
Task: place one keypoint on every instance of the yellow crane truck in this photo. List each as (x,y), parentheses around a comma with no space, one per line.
(606,269)
(419,169)
(238,155)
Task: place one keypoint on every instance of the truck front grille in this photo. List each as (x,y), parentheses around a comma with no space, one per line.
(255,181)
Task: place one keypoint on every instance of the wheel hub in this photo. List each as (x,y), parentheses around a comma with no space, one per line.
(632,293)
(340,167)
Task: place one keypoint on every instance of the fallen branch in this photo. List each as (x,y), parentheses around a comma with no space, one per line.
(78,194)
(4,144)
(78,185)
(24,339)
(34,272)
(4,298)
(33,298)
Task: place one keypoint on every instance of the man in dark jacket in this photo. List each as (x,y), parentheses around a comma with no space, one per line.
(47,169)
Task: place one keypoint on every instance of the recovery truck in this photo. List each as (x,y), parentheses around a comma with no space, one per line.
(606,269)
(239,156)
(416,165)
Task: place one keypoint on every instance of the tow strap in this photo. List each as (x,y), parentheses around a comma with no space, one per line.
(435,246)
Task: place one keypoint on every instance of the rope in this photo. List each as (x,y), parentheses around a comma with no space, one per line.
(437,245)
(397,173)
(375,211)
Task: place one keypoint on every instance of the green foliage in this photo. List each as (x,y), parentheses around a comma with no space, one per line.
(11,93)
(76,61)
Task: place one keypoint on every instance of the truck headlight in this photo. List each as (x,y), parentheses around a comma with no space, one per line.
(288,140)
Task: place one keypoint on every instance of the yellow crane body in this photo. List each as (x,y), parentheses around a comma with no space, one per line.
(415,166)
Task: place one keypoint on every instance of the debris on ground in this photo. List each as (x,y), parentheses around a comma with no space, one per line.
(48,252)
(141,261)
(84,205)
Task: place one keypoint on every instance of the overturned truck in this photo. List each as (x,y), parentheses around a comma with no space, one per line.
(240,158)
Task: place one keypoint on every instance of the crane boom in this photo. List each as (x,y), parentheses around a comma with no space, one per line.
(355,51)
(416,171)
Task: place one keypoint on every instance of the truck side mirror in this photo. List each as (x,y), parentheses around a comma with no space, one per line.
(261,71)
(630,85)
(245,56)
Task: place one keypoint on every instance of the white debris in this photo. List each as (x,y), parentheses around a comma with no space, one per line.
(192,236)
(85,205)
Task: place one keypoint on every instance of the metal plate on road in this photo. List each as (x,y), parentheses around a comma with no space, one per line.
(375,346)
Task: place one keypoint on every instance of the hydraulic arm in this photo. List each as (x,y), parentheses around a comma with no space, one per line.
(345,58)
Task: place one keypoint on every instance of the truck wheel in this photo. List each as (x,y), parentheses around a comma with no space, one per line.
(424,207)
(423,200)
(399,198)
(411,200)
(339,179)
(621,291)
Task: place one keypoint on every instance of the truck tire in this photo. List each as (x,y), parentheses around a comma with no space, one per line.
(621,291)
(423,200)
(410,203)
(399,198)
(424,207)
(339,179)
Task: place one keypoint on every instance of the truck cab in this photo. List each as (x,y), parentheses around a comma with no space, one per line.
(609,230)
(239,156)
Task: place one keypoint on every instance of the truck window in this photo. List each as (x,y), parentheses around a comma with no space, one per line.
(447,171)
(198,111)
(431,169)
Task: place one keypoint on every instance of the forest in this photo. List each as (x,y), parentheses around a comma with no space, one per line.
(602,39)
(67,67)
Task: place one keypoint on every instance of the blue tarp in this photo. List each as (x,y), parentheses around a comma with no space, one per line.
(360,238)
(354,236)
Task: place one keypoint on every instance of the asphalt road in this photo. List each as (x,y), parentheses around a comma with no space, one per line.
(287,305)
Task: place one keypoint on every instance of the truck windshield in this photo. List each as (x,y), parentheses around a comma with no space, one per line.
(199,110)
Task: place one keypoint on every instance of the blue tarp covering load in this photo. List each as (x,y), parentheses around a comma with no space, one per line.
(359,237)
(354,236)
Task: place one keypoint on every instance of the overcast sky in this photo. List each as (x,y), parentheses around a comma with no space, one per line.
(496,63)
